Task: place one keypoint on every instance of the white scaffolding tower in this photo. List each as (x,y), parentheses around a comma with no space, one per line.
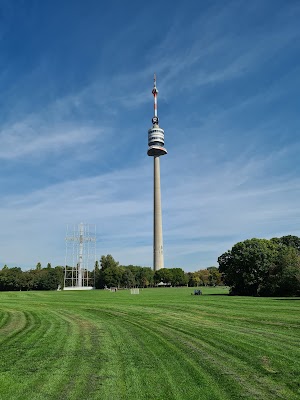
(80,257)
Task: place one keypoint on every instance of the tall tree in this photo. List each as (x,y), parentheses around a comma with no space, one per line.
(246,266)
(144,277)
(178,277)
(108,262)
(214,277)
(11,279)
(193,279)
(289,240)
(203,275)
(263,267)
(162,275)
(284,275)
(112,276)
(128,278)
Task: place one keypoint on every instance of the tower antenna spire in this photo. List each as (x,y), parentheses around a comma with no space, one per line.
(155,93)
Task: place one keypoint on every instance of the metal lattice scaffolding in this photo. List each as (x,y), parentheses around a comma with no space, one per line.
(80,256)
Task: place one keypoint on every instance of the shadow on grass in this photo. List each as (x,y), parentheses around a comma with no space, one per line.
(215,294)
(288,299)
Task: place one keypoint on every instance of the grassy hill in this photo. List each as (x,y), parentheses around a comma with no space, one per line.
(160,344)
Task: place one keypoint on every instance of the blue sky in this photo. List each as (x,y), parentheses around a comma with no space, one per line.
(76,104)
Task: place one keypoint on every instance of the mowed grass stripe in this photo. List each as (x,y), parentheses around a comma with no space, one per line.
(286,323)
(254,351)
(224,370)
(46,349)
(28,356)
(150,361)
(71,361)
(240,365)
(248,339)
(5,316)
(201,362)
(246,354)
(14,323)
(162,344)
(284,341)
(79,362)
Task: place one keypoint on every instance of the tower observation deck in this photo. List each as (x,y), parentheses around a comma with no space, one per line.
(156,142)
(156,135)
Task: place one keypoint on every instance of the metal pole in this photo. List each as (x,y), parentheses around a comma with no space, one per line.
(79,283)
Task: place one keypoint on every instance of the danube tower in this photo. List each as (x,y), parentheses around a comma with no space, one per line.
(156,149)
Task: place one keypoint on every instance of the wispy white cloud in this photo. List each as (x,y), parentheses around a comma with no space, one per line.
(23,139)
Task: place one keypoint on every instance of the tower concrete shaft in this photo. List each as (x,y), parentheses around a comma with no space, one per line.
(156,142)
(158,248)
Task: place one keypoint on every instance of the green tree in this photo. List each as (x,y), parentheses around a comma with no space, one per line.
(96,275)
(108,262)
(46,278)
(128,278)
(214,277)
(110,273)
(289,240)
(145,277)
(193,279)
(284,274)
(11,279)
(112,277)
(246,266)
(203,275)
(178,277)
(289,272)
(60,272)
(162,275)
(38,266)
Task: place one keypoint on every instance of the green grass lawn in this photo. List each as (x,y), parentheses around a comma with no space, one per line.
(160,344)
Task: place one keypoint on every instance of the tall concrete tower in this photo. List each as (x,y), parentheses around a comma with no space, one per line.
(156,149)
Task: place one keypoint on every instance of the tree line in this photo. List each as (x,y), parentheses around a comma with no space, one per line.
(261,267)
(48,278)
(254,267)
(107,273)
